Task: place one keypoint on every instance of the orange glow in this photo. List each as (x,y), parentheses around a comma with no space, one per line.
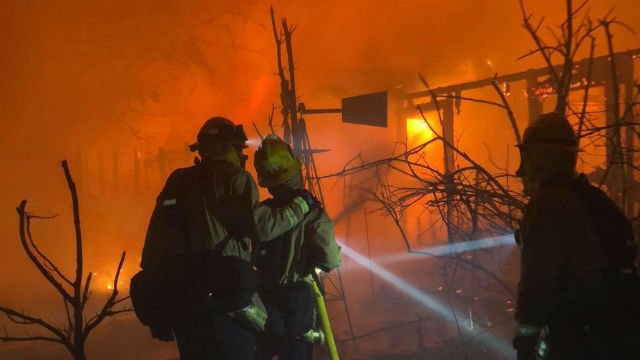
(418,132)
(109,286)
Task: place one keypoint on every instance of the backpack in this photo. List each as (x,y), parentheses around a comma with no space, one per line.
(611,225)
(612,305)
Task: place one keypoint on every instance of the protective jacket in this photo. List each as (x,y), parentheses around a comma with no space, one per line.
(557,240)
(228,194)
(285,267)
(295,254)
(199,241)
(566,262)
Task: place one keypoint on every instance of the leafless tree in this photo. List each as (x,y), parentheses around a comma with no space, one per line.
(473,202)
(74,291)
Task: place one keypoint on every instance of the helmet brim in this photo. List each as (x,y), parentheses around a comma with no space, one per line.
(565,147)
(196,146)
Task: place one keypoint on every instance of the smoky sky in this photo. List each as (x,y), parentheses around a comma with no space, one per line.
(100,77)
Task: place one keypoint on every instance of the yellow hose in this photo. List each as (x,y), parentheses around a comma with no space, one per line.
(324,321)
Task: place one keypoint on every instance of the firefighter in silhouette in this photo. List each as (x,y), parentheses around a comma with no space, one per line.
(578,290)
(198,282)
(286,265)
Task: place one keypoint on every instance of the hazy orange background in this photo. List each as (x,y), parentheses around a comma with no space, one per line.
(104,77)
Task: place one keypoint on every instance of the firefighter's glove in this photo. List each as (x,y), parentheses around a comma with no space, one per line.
(311,201)
(525,345)
(161,332)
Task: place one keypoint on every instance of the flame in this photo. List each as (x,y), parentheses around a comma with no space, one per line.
(109,287)
(418,132)
(506,88)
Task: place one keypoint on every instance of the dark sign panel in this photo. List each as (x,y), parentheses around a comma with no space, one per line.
(368,109)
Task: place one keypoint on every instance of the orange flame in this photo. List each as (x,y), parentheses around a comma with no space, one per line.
(418,132)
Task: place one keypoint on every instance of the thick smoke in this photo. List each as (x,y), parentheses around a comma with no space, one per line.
(84,80)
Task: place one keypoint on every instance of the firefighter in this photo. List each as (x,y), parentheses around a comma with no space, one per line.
(577,280)
(198,246)
(286,265)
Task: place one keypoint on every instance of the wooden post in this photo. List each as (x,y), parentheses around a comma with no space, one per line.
(449,166)
(447,133)
(292,100)
(533,102)
(615,176)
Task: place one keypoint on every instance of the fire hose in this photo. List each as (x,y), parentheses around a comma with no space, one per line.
(324,321)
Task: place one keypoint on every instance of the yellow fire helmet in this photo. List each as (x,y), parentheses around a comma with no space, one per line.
(274,161)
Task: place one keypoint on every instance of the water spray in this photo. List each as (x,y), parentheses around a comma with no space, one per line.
(499,345)
(448,249)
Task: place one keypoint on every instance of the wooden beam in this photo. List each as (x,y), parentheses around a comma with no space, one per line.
(519,76)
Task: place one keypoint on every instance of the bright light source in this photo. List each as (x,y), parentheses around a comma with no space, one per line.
(447,249)
(254,143)
(418,132)
(500,346)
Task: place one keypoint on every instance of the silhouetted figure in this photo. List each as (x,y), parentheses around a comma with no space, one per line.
(286,264)
(578,290)
(198,281)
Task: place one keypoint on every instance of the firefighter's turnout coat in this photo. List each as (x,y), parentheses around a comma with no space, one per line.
(201,205)
(214,208)
(557,241)
(578,289)
(294,255)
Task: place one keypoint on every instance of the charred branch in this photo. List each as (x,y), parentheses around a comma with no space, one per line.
(73,335)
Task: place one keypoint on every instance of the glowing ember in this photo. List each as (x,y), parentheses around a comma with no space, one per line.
(505,88)
(109,286)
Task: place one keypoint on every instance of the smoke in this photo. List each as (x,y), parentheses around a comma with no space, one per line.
(500,346)
(97,81)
